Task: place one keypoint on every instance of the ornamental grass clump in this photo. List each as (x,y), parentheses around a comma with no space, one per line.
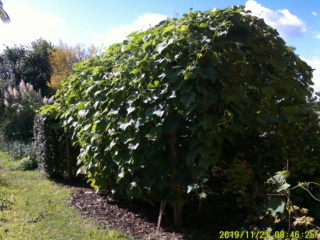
(20,106)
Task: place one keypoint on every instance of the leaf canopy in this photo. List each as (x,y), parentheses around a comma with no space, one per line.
(215,79)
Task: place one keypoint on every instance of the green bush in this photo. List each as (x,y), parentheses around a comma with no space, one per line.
(27,164)
(157,114)
(50,144)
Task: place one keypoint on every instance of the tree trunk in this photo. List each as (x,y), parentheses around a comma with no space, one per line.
(162,207)
(178,204)
(69,164)
(177,207)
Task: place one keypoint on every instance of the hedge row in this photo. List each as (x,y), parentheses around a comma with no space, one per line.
(53,148)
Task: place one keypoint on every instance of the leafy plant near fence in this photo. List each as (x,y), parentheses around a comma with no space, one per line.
(16,127)
(51,147)
(286,219)
(155,113)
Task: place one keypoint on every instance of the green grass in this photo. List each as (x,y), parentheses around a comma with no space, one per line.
(33,207)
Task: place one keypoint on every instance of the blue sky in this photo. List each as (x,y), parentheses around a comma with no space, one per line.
(103,22)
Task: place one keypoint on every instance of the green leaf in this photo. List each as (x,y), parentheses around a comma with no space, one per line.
(94,127)
(269,91)
(167,29)
(96,104)
(156,83)
(276,205)
(159,113)
(205,163)
(202,195)
(209,73)
(280,177)
(191,156)
(96,70)
(149,151)
(187,99)
(124,126)
(189,75)
(150,85)
(163,45)
(133,146)
(171,124)
(83,113)
(283,187)
(192,187)
(203,25)
(130,110)
(205,151)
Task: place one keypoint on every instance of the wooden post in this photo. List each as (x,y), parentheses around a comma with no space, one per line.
(162,207)
(177,207)
(178,204)
(69,164)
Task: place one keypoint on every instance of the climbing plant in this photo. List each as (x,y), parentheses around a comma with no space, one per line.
(154,113)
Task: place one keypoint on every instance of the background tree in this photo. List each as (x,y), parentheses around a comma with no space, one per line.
(28,63)
(62,59)
(25,71)
(3,14)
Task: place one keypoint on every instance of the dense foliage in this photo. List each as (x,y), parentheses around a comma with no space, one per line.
(51,147)
(28,63)
(161,114)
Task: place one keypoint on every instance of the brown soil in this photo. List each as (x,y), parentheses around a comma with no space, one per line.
(136,219)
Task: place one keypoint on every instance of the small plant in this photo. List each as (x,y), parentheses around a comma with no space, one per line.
(4,201)
(281,209)
(26,164)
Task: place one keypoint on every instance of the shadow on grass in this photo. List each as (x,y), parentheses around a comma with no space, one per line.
(77,182)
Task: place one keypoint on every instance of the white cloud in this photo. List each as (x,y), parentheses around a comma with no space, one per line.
(318,36)
(315,64)
(314,13)
(118,34)
(287,24)
(28,24)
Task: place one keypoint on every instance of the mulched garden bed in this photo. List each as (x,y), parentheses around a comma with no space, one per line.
(135,219)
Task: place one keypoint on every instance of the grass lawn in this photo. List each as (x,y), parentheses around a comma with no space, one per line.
(33,207)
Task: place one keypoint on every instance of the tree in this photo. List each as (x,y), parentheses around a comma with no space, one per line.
(24,63)
(28,63)
(62,59)
(37,69)
(156,114)
(3,14)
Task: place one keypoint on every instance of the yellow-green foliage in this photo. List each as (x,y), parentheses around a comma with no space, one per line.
(240,178)
(62,59)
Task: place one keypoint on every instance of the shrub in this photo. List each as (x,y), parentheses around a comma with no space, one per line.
(27,164)
(155,114)
(51,148)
